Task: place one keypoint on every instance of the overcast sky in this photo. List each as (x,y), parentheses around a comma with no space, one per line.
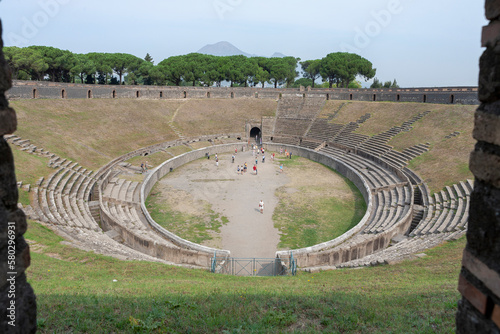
(418,42)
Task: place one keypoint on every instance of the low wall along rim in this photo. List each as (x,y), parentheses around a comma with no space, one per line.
(51,90)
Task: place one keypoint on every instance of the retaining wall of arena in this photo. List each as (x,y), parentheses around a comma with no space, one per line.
(185,158)
(51,90)
(162,170)
(184,252)
(327,253)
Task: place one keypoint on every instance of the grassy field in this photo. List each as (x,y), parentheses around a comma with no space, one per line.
(318,205)
(77,293)
(194,221)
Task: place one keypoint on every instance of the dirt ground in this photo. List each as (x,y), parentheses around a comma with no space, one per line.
(249,234)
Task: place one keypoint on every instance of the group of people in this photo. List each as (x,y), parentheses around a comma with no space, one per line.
(242,169)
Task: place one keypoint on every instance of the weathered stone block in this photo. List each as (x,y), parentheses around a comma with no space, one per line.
(483,233)
(489,76)
(8,186)
(491,34)
(492,9)
(487,124)
(473,295)
(495,316)
(482,165)
(490,278)
(8,121)
(469,320)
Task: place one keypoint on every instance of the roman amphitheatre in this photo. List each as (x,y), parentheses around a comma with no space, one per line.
(403,163)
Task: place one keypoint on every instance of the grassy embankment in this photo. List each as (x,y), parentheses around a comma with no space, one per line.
(76,293)
(447,160)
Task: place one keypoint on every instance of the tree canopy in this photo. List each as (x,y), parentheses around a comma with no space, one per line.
(341,68)
(388,84)
(194,69)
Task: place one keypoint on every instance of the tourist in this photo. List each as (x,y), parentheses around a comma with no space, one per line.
(255,169)
(217,161)
(238,169)
(290,155)
(263,158)
(281,150)
(232,158)
(261,206)
(272,157)
(256,161)
(235,150)
(246,166)
(281,168)
(142,167)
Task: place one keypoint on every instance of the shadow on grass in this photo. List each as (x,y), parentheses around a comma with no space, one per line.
(241,312)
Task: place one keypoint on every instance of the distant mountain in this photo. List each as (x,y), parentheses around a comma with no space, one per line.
(222,49)
(278,55)
(228,49)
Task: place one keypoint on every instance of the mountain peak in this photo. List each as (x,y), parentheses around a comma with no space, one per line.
(222,49)
(225,48)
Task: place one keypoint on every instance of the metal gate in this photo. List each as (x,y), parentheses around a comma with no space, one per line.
(253,266)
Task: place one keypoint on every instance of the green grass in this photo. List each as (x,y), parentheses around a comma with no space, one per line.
(293,162)
(76,294)
(315,222)
(312,214)
(30,167)
(195,228)
(24,197)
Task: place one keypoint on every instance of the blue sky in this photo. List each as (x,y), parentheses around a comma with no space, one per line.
(419,43)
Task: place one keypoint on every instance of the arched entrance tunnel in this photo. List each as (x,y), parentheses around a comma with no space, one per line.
(256,133)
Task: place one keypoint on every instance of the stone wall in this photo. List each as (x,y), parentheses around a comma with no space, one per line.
(479,281)
(17,299)
(327,253)
(51,90)
(162,170)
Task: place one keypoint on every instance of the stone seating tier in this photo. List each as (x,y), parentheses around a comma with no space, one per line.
(323,130)
(291,126)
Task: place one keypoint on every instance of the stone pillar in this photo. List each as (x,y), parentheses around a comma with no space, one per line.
(17,300)
(479,281)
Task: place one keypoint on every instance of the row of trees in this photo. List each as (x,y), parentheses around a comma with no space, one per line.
(48,63)
(388,84)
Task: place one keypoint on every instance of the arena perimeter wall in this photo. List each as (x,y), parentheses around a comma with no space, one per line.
(51,90)
(340,250)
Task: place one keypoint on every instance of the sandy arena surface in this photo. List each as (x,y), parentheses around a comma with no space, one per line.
(249,233)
